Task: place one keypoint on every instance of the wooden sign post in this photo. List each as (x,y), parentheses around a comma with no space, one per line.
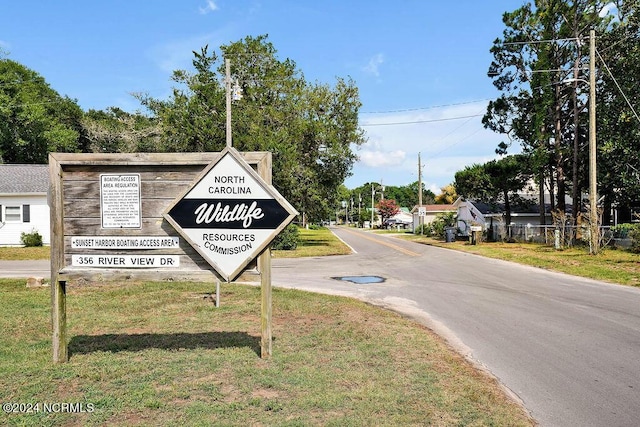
(114,217)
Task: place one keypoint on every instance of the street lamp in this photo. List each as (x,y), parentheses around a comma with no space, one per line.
(594,229)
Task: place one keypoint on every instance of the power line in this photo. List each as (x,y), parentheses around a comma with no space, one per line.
(425,108)
(420,121)
(540,41)
(618,86)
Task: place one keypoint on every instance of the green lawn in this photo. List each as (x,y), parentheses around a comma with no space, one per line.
(162,354)
(321,242)
(15,254)
(611,265)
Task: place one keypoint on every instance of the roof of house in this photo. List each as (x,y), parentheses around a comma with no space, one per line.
(436,208)
(516,209)
(24,179)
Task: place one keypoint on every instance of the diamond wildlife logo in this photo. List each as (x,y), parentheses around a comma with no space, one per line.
(230,214)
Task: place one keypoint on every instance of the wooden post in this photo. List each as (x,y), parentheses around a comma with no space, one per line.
(264,266)
(58,287)
(59,320)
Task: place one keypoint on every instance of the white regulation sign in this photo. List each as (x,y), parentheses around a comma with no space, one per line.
(125,261)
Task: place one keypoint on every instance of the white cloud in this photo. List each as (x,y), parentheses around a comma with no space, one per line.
(210,7)
(377,159)
(445,145)
(373,65)
(610,7)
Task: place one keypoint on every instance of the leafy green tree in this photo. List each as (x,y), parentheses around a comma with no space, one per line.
(497,181)
(34,119)
(407,195)
(309,128)
(618,122)
(117,131)
(541,47)
(474,182)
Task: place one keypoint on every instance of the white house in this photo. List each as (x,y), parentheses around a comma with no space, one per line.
(23,203)
(402,219)
(430,212)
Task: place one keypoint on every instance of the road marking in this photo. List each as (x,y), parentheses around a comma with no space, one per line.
(388,244)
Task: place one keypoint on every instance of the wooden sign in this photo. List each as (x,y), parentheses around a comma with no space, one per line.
(107,222)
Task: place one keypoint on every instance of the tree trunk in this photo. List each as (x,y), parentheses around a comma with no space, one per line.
(507,207)
(560,176)
(543,217)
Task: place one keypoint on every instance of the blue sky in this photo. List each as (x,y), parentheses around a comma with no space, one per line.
(421,61)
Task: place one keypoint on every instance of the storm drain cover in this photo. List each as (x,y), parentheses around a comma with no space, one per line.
(361,280)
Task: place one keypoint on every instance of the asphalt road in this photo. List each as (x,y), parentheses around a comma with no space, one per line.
(38,268)
(569,348)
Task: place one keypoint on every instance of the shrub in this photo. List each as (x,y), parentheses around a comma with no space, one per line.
(621,231)
(443,221)
(31,239)
(424,229)
(634,234)
(287,240)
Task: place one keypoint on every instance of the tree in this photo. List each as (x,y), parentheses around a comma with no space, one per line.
(617,120)
(34,119)
(447,196)
(117,131)
(309,128)
(497,181)
(407,195)
(508,176)
(387,208)
(541,47)
(474,182)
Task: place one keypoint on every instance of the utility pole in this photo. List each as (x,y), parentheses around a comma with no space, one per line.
(419,182)
(227,84)
(373,193)
(594,228)
(420,217)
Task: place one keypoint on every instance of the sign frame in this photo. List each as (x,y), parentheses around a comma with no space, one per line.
(74,211)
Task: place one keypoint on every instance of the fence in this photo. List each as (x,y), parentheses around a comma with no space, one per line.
(546,234)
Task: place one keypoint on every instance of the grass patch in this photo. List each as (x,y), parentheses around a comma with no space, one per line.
(320,242)
(610,265)
(19,253)
(162,354)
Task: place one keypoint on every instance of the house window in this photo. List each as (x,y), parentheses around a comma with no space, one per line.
(12,214)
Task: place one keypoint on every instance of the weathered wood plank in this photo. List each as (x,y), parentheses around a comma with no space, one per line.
(147,172)
(114,275)
(159,159)
(58,286)
(90,190)
(264,267)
